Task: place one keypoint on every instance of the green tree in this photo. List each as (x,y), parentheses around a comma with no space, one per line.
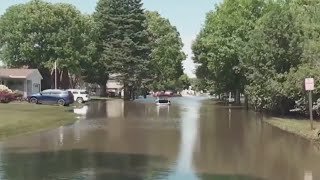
(122,27)
(166,54)
(37,34)
(205,77)
(184,81)
(95,68)
(219,45)
(275,47)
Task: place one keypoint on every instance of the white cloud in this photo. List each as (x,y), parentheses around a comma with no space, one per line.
(189,66)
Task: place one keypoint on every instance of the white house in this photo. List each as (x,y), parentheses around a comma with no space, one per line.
(114,85)
(27,81)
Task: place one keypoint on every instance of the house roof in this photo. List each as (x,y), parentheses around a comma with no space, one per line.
(17,73)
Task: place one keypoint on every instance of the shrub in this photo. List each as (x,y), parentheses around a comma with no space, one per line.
(18,95)
(6,97)
(5,88)
(6,94)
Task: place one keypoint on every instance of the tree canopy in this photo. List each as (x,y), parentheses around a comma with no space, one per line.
(166,53)
(143,49)
(37,34)
(263,48)
(219,45)
(122,26)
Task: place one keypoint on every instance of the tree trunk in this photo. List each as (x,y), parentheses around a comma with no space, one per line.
(65,79)
(46,81)
(246,101)
(126,93)
(237,97)
(133,94)
(103,89)
(144,93)
(130,92)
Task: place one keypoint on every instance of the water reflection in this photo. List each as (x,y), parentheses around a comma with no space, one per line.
(81,110)
(77,164)
(308,175)
(192,139)
(61,136)
(189,131)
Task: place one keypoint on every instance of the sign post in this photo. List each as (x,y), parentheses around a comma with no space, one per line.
(309,86)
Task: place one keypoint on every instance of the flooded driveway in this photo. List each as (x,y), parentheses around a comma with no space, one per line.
(191,140)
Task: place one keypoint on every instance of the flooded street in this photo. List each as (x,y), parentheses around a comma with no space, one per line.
(191,140)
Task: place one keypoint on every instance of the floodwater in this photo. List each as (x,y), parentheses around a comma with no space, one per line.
(191,140)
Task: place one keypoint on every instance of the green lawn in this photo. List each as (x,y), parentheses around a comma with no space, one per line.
(22,118)
(299,127)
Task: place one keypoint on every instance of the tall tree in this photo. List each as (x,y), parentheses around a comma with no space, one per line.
(220,42)
(95,68)
(37,34)
(125,47)
(275,47)
(167,54)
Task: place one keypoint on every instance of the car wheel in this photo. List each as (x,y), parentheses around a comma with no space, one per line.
(80,100)
(61,102)
(33,100)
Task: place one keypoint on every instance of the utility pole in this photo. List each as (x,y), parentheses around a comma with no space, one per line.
(55,74)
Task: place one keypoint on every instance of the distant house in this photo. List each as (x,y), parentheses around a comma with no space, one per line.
(114,85)
(27,81)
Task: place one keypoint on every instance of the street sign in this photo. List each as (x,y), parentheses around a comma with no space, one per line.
(309,84)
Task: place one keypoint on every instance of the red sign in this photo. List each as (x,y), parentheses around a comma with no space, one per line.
(309,84)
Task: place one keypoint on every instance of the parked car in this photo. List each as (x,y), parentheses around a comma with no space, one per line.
(80,96)
(52,96)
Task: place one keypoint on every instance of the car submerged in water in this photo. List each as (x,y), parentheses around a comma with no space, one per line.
(52,96)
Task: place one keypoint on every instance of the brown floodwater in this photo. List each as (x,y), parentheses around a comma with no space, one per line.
(193,139)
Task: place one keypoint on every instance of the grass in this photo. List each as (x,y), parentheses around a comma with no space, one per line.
(22,118)
(298,127)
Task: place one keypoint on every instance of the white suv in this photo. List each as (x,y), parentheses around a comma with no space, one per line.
(80,96)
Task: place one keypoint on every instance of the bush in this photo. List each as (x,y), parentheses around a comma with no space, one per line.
(6,94)
(6,97)
(18,95)
(5,88)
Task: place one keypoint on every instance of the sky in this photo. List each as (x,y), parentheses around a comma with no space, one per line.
(187,15)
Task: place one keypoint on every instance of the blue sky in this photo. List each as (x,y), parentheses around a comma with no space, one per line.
(187,15)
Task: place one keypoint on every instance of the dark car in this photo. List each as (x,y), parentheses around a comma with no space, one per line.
(52,96)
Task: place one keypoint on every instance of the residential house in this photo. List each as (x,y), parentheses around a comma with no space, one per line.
(114,85)
(27,81)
